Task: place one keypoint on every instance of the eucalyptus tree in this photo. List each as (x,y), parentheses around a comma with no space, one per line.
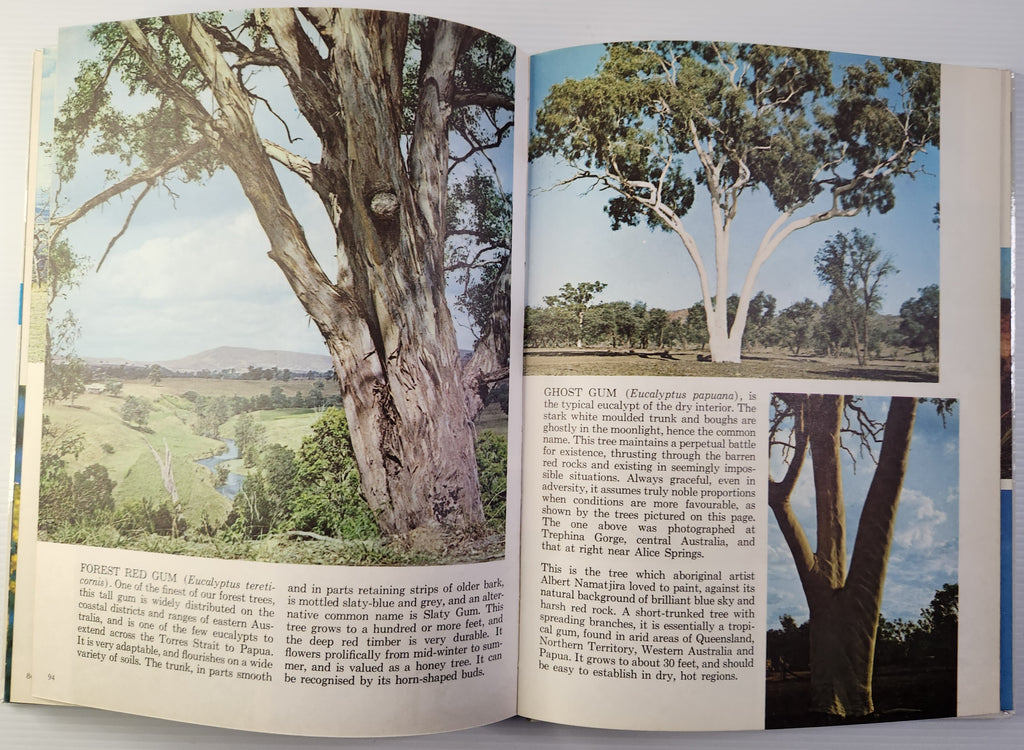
(660,121)
(844,593)
(402,109)
(855,268)
(576,298)
(919,321)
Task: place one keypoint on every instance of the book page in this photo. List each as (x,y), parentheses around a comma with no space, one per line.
(761,483)
(266,375)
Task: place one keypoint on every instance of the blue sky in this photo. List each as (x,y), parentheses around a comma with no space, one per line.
(924,552)
(191,272)
(570,237)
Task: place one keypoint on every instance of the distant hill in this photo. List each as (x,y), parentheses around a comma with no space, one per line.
(235,358)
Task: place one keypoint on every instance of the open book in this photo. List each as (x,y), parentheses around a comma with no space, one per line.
(323,436)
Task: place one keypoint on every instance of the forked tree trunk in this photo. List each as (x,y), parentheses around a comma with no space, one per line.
(844,607)
(842,654)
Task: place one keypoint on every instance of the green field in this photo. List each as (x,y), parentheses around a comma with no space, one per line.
(127,451)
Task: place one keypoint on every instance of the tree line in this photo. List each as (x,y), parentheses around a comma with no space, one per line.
(846,324)
(930,642)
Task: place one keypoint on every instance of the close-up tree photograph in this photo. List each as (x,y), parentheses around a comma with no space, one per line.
(863,549)
(345,176)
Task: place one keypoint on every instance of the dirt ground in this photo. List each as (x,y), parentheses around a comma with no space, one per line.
(898,695)
(756,365)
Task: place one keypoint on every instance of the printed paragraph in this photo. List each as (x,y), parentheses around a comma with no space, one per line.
(156,619)
(216,627)
(651,474)
(392,635)
(647,625)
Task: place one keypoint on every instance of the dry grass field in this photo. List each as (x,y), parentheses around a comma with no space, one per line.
(757,365)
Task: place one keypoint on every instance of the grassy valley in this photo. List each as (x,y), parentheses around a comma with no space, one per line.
(105,466)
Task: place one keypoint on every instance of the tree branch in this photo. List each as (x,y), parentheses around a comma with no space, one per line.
(779,494)
(484,99)
(291,161)
(124,227)
(878,518)
(59,223)
(245,56)
(162,79)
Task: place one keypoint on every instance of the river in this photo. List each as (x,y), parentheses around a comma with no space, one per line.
(234,483)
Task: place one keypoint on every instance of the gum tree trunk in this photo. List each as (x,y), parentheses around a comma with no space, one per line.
(844,607)
(385,319)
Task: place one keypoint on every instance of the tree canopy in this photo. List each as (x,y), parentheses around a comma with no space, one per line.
(576,298)
(919,321)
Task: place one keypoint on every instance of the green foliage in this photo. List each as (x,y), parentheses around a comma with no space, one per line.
(64,380)
(770,116)
(153,133)
(548,326)
(479,242)
(576,298)
(795,324)
(616,321)
(94,489)
(919,321)
(760,317)
(249,437)
(263,502)
(655,325)
(55,265)
(211,413)
(64,371)
(832,331)
(855,269)
(148,515)
(657,121)
(59,445)
(135,410)
(84,499)
(696,326)
(492,469)
(327,496)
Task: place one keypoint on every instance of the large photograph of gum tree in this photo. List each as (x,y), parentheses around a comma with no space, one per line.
(736,210)
(862,563)
(278,239)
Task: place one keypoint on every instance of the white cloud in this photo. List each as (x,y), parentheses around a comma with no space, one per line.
(170,296)
(918,520)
